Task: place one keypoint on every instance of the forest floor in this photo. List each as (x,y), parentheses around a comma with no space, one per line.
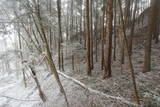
(120,84)
(14,94)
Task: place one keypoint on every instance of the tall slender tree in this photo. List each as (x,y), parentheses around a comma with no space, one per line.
(88,37)
(103,34)
(60,50)
(124,38)
(109,28)
(152,26)
(132,27)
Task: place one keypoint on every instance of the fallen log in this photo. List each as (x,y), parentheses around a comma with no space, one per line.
(99,92)
(17,98)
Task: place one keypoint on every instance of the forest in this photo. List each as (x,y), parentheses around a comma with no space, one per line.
(79,53)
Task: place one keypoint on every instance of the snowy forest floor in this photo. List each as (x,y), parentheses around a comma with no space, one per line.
(120,83)
(14,94)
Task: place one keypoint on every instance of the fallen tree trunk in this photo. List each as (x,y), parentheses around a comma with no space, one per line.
(98,92)
(17,98)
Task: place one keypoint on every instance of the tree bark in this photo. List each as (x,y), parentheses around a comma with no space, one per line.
(108,51)
(148,42)
(103,34)
(124,37)
(88,38)
(132,27)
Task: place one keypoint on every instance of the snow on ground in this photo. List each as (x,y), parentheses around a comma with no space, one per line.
(120,83)
(14,94)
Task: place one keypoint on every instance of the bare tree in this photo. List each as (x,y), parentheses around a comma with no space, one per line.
(88,37)
(148,42)
(108,50)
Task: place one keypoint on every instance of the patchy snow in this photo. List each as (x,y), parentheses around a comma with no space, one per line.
(14,94)
(120,83)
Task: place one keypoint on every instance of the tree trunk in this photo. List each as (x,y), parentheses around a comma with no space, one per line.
(41,94)
(115,29)
(49,56)
(132,27)
(21,55)
(88,38)
(60,50)
(91,33)
(129,57)
(103,33)
(148,42)
(108,51)
(95,33)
